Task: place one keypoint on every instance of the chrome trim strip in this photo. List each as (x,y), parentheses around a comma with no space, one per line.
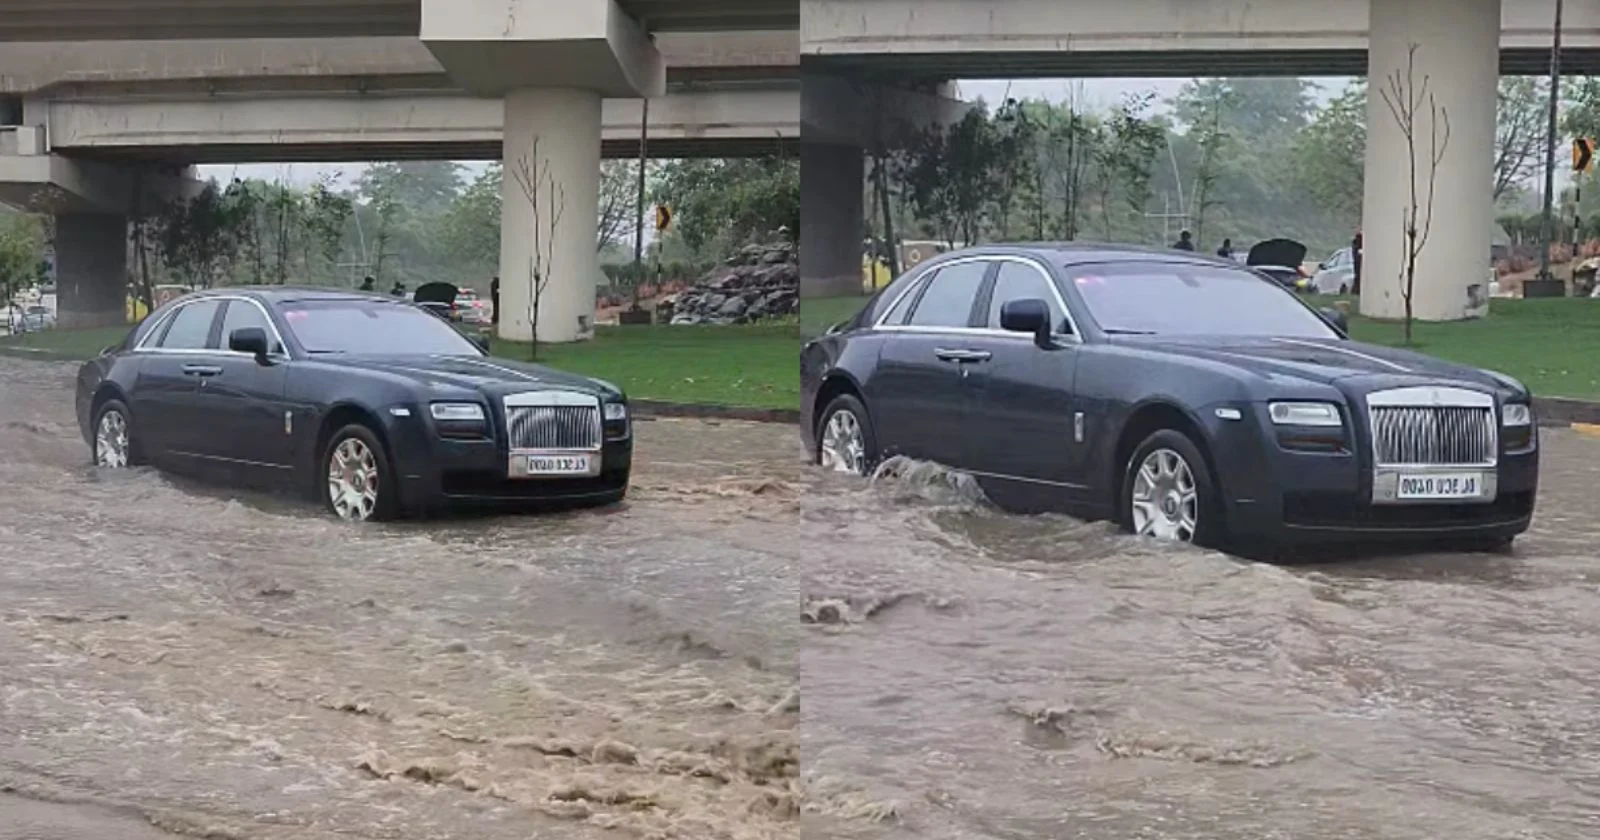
(167,317)
(1041,481)
(1430,396)
(553,397)
(922,280)
(1347,351)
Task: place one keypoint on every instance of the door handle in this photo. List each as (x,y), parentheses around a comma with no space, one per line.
(201,370)
(962,355)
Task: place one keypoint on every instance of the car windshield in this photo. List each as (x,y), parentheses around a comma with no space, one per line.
(372,327)
(1154,298)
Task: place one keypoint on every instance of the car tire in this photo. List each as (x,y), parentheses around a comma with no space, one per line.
(844,420)
(1203,523)
(116,413)
(355,480)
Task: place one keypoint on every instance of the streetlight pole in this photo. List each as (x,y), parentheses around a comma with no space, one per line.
(1547,224)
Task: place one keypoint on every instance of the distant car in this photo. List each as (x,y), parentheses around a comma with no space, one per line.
(1185,398)
(1280,260)
(469,308)
(33,318)
(1335,275)
(369,403)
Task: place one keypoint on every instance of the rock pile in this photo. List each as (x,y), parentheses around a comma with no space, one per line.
(757,283)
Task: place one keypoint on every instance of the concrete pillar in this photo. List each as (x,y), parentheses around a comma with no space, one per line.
(552,144)
(1457,56)
(91,270)
(832,218)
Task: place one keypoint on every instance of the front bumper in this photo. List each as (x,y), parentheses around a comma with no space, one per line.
(439,473)
(1278,495)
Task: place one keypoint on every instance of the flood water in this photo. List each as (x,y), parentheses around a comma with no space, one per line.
(176,661)
(970,674)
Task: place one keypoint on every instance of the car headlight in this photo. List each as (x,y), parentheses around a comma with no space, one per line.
(457,412)
(1516,414)
(615,411)
(1305,414)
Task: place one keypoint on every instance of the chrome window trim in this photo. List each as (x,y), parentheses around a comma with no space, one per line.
(922,280)
(167,317)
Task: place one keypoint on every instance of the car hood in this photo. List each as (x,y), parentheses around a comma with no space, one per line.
(1316,360)
(476,373)
(1285,252)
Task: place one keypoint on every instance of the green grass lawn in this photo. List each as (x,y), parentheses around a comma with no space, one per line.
(1552,345)
(755,365)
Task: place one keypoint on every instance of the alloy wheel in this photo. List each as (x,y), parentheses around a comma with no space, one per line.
(1164,499)
(111,440)
(844,447)
(353,480)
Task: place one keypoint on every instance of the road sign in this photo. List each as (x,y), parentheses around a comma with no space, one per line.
(1583,154)
(663,218)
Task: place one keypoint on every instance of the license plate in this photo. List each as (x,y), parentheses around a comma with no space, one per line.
(557,465)
(1440,486)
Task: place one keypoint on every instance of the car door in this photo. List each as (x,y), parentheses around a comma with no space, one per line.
(174,361)
(243,402)
(1025,425)
(916,395)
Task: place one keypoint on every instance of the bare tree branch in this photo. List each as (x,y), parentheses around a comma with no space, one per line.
(534,178)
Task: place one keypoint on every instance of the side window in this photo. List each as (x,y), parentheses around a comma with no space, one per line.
(950,295)
(240,314)
(190,326)
(897,315)
(1017,281)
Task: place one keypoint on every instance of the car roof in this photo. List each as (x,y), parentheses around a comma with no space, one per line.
(287,294)
(1068,254)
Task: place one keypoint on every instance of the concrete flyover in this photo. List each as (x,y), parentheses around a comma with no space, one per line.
(550,64)
(1457,47)
(115,20)
(1151,38)
(746,121)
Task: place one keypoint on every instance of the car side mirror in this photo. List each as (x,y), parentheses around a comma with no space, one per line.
(1028,315)
(252,340)
(1337,319)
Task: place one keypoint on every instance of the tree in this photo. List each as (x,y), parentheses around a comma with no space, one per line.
(471,229)
(719,203)
(1405,98)
(21,251)
(1330,155)
(537,183)
(1519,142)
(619,196)
(1134,142)
(325,215)
(1213,138)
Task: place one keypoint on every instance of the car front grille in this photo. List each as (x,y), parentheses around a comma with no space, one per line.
(553,420)
(1435,434)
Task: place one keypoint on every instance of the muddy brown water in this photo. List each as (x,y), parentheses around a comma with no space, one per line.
(178,661)
(973,675)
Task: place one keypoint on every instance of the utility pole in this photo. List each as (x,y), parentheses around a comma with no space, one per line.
(1547,224)
(638,208)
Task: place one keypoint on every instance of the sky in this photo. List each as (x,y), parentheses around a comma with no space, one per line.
(1099,93)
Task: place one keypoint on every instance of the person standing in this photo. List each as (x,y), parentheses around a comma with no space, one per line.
(1355,259)
(1226,251)
(1185,241)
(494,300)
(399,289)
(368,284)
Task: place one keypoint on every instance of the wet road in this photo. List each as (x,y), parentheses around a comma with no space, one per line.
(974,675)
(174,661)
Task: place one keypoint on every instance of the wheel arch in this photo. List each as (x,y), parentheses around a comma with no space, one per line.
(339,415)
(1145,419)
(834,384)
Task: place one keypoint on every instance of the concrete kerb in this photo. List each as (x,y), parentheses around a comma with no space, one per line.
(641,408)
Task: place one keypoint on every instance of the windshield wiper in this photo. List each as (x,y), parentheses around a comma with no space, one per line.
(326,352)
(1115,331)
